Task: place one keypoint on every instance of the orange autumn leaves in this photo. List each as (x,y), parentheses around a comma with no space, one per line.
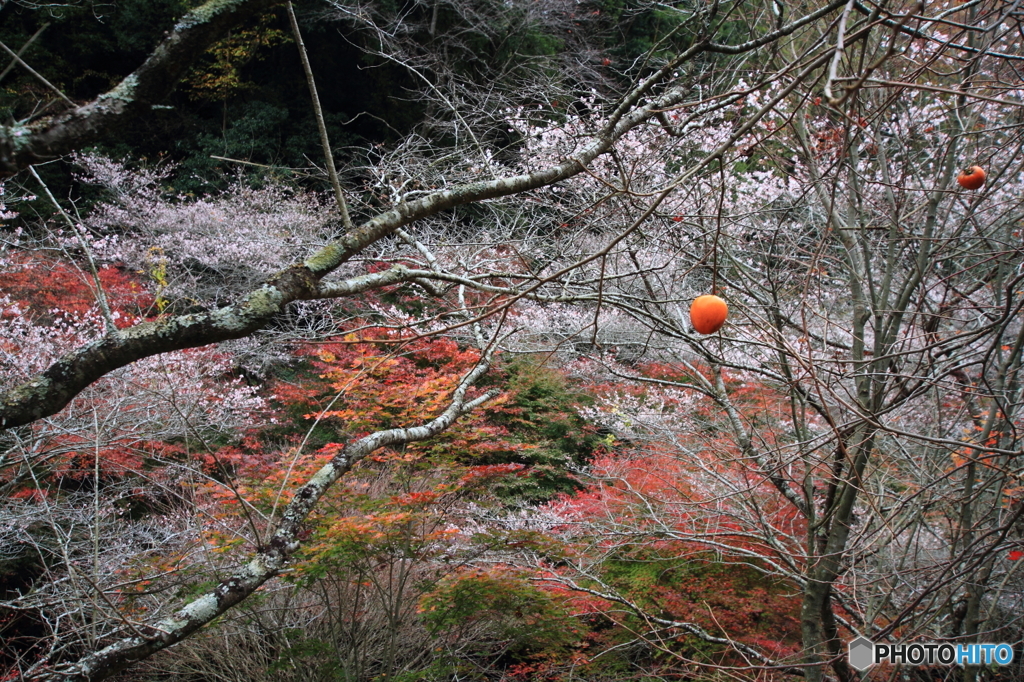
(369,383)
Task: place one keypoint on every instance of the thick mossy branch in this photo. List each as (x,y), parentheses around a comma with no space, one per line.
(51,391)
(24,145)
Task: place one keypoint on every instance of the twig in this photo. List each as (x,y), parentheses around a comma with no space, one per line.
(15,56)
(319,115)
(838,52)
(22,50)
(101,296)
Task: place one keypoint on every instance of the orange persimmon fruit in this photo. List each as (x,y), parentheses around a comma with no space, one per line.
(971,178)
(708,313)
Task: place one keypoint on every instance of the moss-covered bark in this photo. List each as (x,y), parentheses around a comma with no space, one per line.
(48,138)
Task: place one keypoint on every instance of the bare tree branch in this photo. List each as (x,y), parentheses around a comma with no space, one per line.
(58,385)
(268,562)
(23,145)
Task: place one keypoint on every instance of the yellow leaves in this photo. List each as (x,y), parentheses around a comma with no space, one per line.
(220,77)
(156,268)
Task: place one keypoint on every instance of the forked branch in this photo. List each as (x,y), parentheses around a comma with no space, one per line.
(265,564)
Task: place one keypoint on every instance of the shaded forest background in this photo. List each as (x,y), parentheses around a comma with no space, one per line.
(248,100)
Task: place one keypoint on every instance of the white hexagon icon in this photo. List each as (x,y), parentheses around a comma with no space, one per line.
(862,653)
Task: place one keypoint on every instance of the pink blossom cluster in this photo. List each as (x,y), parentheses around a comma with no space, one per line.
(202,248)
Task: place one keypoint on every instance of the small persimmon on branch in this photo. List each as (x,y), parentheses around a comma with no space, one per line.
(49,392)
(269,561)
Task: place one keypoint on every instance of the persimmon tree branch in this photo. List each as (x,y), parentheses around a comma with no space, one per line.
(48,392)
(22,145)
(268,562)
